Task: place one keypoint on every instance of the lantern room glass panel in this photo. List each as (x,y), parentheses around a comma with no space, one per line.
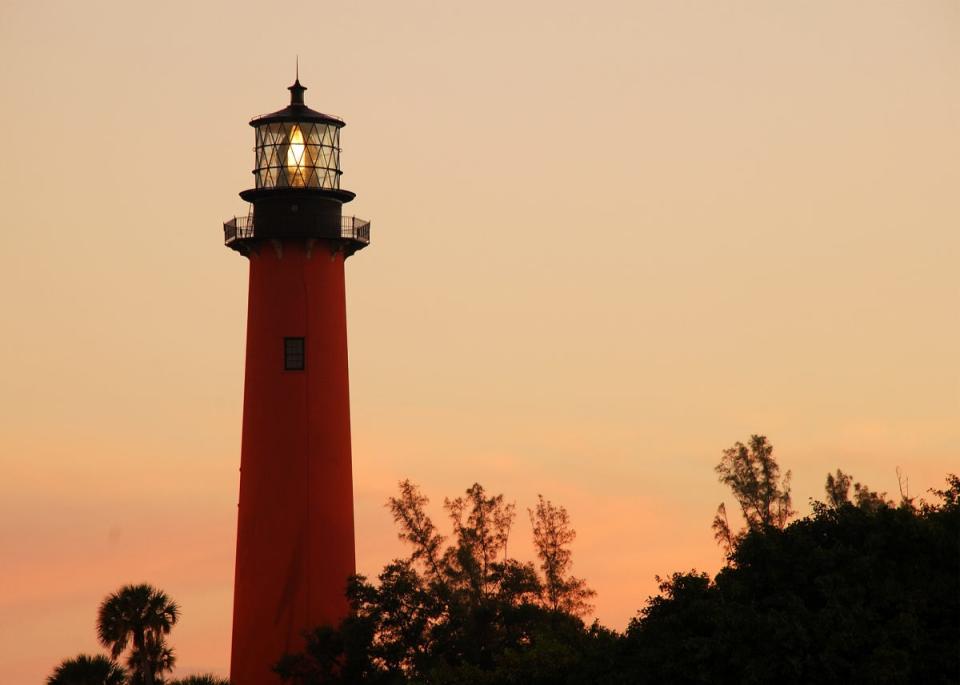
(297,154)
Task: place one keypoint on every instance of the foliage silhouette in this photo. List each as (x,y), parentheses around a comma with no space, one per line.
(88,670)
(753,475)
(552,535)
(461,611)
(862,592)
(200,679)
(837,489)
(139,617)
(850,594)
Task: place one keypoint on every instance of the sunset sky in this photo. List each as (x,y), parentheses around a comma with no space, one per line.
(609,240)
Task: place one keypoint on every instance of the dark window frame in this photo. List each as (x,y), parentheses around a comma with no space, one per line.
(294,353)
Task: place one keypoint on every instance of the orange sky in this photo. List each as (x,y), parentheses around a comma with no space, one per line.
(609,239)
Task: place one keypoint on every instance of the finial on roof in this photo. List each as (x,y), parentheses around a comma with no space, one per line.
(296,90)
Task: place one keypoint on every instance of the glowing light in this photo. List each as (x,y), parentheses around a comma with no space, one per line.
(295,160)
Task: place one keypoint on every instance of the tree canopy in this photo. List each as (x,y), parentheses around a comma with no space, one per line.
(88,670)
(138,618)
(753,476)
(861,591)
(458,609)
(850,594)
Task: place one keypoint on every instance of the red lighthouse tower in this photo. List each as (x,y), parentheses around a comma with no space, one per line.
(295,546)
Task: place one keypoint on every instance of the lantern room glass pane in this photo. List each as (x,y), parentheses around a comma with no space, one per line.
(297,154)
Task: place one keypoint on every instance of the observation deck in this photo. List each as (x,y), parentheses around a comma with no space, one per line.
(353,234)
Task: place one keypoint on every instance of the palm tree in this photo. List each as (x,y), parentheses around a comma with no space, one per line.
(88,670)
(139,616)
(204,679)
(156,655)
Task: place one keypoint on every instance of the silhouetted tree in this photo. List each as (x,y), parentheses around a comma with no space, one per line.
(837,489)
(857,592)
(139,617)
(88,670)
(458,612)
(481,527)
(201,679)
(753,475)
(849,594)
(552,536)
(950,496)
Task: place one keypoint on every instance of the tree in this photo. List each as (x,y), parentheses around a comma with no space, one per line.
(849,594)
(416,528)
(950,495)
(552,535)
(88,670)
(202,679)
(458,609)
(753,475)
(481,528)
(837,488)
(155,657)
(138,618)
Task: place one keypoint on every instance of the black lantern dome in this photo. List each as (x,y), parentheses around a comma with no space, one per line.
(297,191)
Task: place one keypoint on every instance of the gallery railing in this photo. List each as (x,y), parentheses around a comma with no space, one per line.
(351,228)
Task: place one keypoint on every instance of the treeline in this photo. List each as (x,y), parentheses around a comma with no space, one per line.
(862,590)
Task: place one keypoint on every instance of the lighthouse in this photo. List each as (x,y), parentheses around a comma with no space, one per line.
(295,540)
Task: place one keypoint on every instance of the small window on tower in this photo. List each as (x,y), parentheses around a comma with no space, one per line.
(293,354)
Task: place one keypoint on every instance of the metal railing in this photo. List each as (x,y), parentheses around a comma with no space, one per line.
(237,228)
(355,228)
(351,228)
